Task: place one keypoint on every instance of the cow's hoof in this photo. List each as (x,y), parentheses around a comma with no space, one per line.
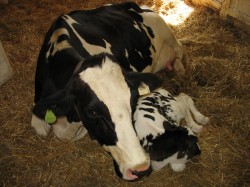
(82,131)
(179,68)
(40,126)
(65,130)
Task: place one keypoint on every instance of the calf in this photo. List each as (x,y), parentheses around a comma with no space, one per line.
(88,71)
(156,121)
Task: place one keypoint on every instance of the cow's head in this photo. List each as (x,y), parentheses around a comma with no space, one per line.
(104,95)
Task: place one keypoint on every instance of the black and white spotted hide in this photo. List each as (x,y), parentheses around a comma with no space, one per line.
(156,121)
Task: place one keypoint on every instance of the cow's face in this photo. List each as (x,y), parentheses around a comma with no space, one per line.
(103,95)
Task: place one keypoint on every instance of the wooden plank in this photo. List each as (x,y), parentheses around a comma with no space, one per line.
(215,4)
(224,9)
(239,9)
(5,68)
(244,7)
(242,17)
(3,1)
(208,3)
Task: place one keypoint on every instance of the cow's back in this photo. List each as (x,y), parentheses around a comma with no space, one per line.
(114,29)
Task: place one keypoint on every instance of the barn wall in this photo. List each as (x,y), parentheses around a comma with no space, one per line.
(3,1)
(210,3)
(239,9)
(5,68)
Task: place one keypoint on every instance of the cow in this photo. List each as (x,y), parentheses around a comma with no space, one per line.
(157,123)
(88,72)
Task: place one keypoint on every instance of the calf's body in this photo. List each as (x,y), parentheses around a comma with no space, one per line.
(156,121)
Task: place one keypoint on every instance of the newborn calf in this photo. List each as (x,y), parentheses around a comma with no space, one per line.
(156,121)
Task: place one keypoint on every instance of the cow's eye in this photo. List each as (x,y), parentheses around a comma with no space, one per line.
(91,113)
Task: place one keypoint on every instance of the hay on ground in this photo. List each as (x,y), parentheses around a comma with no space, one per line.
(218,74)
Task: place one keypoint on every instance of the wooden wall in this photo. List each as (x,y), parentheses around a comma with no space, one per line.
(239,9)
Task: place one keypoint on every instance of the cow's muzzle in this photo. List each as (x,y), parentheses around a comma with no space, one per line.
(133,174)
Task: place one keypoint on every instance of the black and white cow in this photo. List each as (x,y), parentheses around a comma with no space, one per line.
(88,74)
(156,121)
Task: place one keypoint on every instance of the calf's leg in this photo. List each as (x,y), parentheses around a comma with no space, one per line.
(191,123)
(200,118)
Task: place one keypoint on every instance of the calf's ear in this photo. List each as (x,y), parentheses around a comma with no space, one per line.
(60,103)
(136,79)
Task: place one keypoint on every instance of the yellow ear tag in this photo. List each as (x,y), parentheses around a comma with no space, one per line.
(50,117)
(143,89)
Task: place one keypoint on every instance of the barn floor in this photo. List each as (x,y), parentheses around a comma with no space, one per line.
(218,78)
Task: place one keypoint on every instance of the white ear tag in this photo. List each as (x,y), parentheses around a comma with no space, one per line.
(143,89)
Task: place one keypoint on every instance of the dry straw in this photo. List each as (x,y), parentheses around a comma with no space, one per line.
(218,74)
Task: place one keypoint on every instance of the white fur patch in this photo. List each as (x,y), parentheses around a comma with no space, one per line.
(176,164)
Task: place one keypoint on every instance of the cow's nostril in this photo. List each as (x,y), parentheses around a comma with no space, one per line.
(139,172)
(142,173)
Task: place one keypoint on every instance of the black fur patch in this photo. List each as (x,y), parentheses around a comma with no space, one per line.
(174,140)
(150,110)
(149,117)
(160,103)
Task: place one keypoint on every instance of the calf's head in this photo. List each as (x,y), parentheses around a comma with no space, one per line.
(103,95)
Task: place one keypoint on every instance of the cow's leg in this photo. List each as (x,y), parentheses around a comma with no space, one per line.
(69,131)
(175,56)
(170,57)
(171,41)
(40,126)
(165,61)
(178,66)
(176,46)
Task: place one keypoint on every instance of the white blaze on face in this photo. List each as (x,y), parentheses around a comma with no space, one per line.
(110,86)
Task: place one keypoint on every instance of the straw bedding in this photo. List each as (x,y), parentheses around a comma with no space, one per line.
(218,76)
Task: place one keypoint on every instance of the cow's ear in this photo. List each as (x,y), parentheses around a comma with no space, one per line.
(60,103)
